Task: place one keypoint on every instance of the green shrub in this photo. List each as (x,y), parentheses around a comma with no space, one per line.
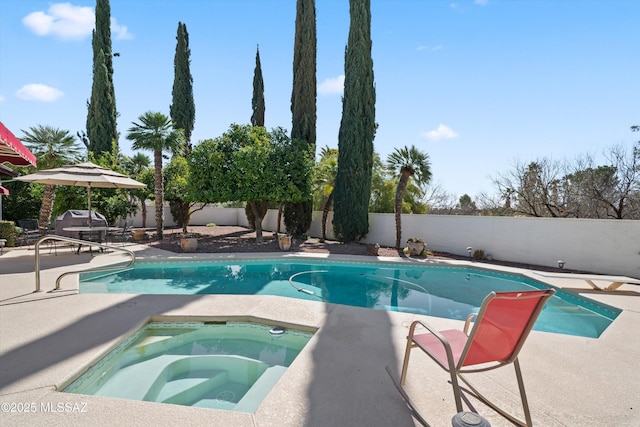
(8,232)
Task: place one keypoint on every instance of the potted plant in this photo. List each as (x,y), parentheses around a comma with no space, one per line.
(284,242)
(189,242)
(415,245)
(139,234)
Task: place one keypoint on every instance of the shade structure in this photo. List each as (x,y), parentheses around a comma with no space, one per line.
(83,175)
(7,171)
(12,150)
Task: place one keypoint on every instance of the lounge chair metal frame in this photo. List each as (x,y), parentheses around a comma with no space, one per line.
(499,331)
(122,235)
(31,231)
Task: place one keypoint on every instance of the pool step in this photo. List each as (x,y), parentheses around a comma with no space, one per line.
(225,396)
(181,379)
(185,391)
(254,396)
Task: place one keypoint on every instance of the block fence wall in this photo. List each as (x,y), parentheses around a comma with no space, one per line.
(598,245)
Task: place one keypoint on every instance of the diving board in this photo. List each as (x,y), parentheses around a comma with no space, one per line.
(614,281)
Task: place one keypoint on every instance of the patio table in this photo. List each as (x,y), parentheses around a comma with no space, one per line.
(89,231)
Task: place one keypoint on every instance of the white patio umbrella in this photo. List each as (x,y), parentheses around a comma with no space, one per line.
(83,175)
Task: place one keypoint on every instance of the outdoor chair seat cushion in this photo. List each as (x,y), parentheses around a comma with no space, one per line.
(432,345)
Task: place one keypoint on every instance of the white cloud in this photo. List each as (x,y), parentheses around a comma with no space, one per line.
(332,86)
(120,31)
(63,20)
(69,22)
(442,132)
(1,99)
(38,92)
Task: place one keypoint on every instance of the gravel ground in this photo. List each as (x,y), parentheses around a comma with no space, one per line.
(223,238)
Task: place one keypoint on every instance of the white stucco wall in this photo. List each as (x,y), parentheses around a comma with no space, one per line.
(603,246)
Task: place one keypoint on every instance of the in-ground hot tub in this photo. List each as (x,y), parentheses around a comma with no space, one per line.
(221,365)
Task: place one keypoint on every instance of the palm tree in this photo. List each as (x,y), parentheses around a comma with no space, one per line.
(324,181)
(137,166)
(53,148)
(406,163)
(155,133)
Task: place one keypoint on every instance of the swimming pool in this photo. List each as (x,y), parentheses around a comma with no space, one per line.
(217,364)
(442,291)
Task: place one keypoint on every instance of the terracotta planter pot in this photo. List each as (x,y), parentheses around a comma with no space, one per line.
(284,242)
(189,244)
(139,234)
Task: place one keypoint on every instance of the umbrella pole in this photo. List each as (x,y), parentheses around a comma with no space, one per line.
(89,203)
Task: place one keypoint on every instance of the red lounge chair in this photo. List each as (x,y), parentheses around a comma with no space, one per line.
(499,332)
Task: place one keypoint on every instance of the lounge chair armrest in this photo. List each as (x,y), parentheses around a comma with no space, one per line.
(467,322)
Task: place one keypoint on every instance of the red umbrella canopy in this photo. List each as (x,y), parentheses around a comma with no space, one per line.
(12,150)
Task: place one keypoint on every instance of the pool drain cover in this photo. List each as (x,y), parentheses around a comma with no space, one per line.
(226,395)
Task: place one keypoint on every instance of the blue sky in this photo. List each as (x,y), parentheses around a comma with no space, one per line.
(476,84)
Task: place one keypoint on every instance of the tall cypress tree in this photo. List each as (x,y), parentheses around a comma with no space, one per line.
(101,116)
(357,130)
(183,109)
(257,102)
(297,216)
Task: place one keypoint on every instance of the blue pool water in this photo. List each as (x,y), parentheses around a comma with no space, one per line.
(442,291)
(221,365)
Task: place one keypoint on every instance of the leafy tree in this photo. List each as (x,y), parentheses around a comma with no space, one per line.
(248,163)
(534,189)
(138,168)
(623,201)
(176,177)
(24,201)
(113,203)
(466,205)
(437,199)
(357,130)
(385,201)
(147,177)
(102,114)
(324,181)
(262,208)
(577,189)
(154,132)
(378,179)
(297,216)
(53,148)
(383,191)
(183,108)
(405,163)
(608,191)
(69,197)
(257,102)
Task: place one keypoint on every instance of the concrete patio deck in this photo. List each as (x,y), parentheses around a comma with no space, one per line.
(339,379)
